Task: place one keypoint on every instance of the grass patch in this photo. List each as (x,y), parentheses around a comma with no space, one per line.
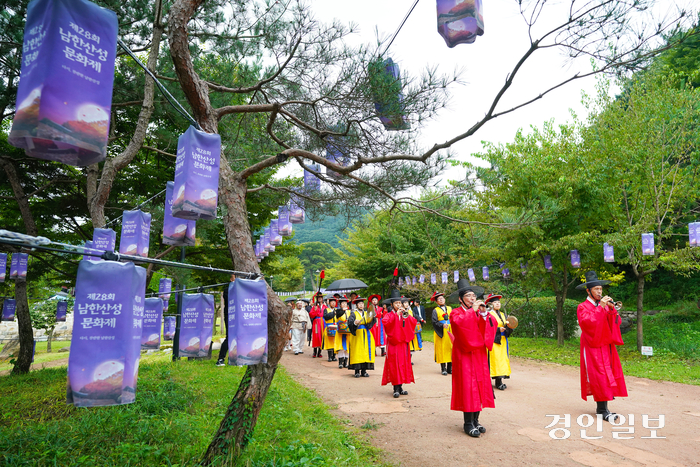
(370,424)
(41,356)
(178,408)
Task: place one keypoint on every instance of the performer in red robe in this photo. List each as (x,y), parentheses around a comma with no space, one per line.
(601,371)
(400,328)
(474,331)
(378,330)
(316,315)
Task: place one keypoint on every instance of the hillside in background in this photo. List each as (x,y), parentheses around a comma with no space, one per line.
(327,231)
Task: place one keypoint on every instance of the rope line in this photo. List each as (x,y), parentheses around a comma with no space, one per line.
(138,206)
(400,26)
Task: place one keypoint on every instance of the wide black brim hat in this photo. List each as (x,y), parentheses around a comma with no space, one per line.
(290,299)
(592,281)
(464,286)
(395,296)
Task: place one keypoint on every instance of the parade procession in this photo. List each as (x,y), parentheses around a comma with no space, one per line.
(310,233)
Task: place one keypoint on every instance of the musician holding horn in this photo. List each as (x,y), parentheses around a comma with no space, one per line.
(499,360)
(474,330)
(601,371)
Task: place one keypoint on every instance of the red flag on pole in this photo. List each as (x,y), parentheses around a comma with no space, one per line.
(396,271)
(323,274)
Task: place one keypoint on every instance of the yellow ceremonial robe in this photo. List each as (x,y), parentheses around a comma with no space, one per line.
(499,360)
(329,341)
(362,343)
(443,345)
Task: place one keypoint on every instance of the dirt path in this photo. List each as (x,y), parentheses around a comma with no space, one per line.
(421,430)
(40,366)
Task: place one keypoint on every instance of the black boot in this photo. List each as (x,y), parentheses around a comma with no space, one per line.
(365,374)
(449,368)
(443,368)
(500,384)
(345,362)
(401,391)
(477,424)
(330,355)
(383,352)
(357,373)
(602,409)
(340,362)
(397,391)
(469,427)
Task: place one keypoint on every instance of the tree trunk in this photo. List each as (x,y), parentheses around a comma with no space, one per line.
(560,319)
(26,334)
(640,311)
(238,424)
(48,339)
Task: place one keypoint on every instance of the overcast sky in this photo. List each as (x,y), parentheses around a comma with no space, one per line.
(485,64)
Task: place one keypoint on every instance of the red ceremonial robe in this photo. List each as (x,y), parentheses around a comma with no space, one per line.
(316,315)
(601,371)
(399,332)
(471,378)
(378,330)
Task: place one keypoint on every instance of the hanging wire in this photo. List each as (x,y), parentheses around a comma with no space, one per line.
(200,288)
(41,243)
(138,206)
(162,88)
(399,28)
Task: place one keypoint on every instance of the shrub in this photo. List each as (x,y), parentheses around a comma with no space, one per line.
(537,317)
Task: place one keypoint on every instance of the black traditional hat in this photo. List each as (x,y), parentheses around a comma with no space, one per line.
(290,299)
(395,296)
(591,281)
(343,299)
(463,286)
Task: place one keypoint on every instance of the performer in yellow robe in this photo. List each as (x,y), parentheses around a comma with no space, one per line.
(362,341)
(441,323)
(329,319)
(499,359)
(343,337)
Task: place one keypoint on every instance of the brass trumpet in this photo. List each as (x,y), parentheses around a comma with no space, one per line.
(616,305)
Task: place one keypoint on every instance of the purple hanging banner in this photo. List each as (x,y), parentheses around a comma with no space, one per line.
(91,246)
(460,21)
(247,321)
(152,316)
(470,273)
(506,273)
(400,282)
(413,281)
(311,181)
(177,232)
(433,278)
(647,244)
(385,86)
(296,211)
(575,258)
(266,240)
(13,265)
(444,277)
(22,264)
(207,324)
(523,268)
(548,262)
(196,175)
(165,305)
(334,151)
(103,239)
(191,324)
(456,276)
(105,349)
(136,230)
(421,279)
(169,323)
(8,309)
(65,88)
(165,286)
(485,273)
(608,253)
(61,310)
(284,226)
(275,237)
(693,234)
(3,266)
(407,280)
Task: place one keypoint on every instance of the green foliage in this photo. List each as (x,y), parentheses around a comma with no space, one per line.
(536,316)
(44,313)
(329,230)
(678,333)
(178,407)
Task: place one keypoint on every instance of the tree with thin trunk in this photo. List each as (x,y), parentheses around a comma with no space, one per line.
(645,142)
